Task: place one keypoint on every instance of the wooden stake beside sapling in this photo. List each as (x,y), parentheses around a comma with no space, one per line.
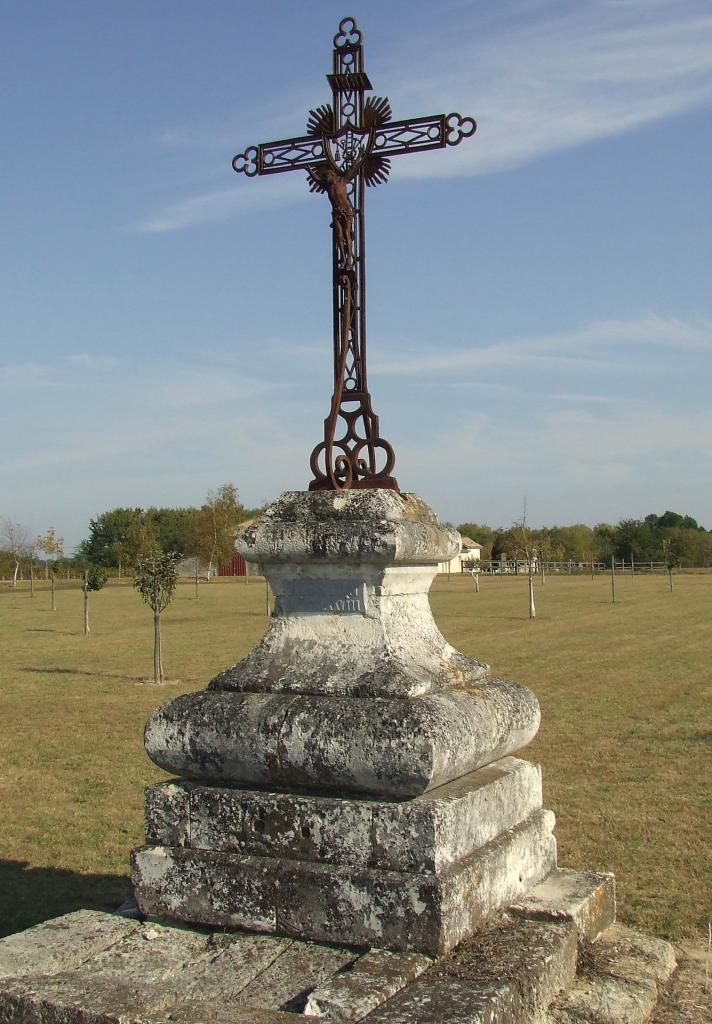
(668,558)
(53,573)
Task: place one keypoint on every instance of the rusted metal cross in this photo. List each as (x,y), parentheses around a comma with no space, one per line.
(348,145)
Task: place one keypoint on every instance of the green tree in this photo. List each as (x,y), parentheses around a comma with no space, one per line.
(503,543)
(118,526)
(141,537)
(174,527)
(94,579)
(122,535)
(633,538)
(484,535)
(672,520)
(219,520)
(604,541)
(155,579)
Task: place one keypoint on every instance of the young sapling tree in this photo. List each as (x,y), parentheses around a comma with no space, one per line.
(53,548)
(94,579)
(16,538)
(156,578)
(525,542)
(668,558)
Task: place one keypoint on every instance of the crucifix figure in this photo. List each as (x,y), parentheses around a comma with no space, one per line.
(348,146)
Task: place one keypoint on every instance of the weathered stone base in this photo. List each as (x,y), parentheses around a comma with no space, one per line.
(352,906)
(419,874)
(93,968)
(425,834)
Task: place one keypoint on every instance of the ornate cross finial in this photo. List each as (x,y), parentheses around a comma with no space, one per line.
(348,145)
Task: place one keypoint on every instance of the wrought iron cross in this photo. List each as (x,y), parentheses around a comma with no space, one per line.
(348,145)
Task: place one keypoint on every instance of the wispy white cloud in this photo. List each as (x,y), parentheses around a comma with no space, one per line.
(90,361)
(624,458)
(55,373)
(104,408)
(553,81)
(540,79)
(166,429)
(224,203)
(590,346)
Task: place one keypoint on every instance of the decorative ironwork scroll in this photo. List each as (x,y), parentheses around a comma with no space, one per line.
(348,146)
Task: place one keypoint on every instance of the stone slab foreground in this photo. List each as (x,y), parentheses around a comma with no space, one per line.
(95,968)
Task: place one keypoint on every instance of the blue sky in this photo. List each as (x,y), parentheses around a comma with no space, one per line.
(540,302)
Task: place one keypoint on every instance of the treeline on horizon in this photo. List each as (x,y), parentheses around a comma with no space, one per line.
(670,538)
(121,537)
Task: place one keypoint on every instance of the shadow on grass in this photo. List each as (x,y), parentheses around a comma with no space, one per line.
(57,632)
(83,672)
(138,680)
(29,895)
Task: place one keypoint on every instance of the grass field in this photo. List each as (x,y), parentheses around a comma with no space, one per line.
(626,739)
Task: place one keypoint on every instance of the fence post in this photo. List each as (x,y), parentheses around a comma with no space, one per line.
(613,577)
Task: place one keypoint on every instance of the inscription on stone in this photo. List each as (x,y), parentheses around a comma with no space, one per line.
(320,597)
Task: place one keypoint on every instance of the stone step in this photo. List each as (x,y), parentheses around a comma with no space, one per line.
(618,980)
(587,898)
(155,974)
(62,943)
(508,974)
(97,968)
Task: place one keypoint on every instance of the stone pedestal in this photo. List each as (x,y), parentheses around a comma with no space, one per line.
(351,780)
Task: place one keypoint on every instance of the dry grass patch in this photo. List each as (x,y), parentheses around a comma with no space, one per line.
(626,735)
(626,738)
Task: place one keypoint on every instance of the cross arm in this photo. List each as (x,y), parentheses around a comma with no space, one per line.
(273,157)
(415,134)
